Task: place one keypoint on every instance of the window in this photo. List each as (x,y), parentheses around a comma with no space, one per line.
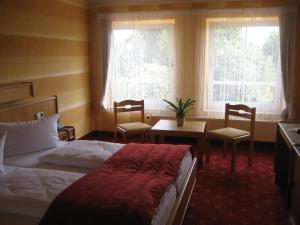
(243,64)
(141,62)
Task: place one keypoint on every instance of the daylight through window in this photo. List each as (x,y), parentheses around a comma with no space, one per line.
(243,64)
(141,61)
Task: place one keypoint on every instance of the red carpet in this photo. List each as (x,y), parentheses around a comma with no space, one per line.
(249,197)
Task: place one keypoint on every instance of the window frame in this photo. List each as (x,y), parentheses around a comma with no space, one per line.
(218,106)
(146,24)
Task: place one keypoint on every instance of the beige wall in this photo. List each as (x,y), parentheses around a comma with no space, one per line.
(47,42)
(265,131)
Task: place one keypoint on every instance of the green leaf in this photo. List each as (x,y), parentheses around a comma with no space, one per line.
(173,106)
(180,107)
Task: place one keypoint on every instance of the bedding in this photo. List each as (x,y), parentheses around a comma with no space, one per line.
(29,192)
(26,213)
(2,141)
(81,153)
(31,159)
(183,171)
(31,136)
(64,161)
(132,183)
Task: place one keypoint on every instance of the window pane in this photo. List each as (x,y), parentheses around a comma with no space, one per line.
(141,63)
(243,65)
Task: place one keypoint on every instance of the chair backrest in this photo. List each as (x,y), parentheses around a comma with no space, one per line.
(128,106)
(240,110)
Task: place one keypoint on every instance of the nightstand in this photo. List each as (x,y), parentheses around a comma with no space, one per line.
(67,133)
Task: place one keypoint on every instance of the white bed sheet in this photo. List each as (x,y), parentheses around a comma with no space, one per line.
(29,192)
(31,160)
(82,153)
(28,198)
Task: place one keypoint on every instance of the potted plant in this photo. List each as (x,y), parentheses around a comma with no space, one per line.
(180,107)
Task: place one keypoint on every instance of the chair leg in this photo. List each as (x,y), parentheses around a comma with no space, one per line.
(115,136)
(250,158)
(233,157)
(207,150)
(142,138)
(225,147)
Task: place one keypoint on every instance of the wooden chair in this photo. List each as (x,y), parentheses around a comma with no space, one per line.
(233,135)
(132,127)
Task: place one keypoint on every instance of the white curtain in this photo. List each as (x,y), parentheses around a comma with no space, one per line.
(105,56)
(287,44)
(239,62)
(213,56)
(141,65)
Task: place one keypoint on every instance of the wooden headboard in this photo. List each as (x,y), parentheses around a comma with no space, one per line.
(24,110)
(15,91)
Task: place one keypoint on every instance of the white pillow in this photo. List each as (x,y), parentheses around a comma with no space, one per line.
(2,141)
(30,136)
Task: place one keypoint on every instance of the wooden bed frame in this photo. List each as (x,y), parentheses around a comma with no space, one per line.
(24,110)
(15,91)
(183,199)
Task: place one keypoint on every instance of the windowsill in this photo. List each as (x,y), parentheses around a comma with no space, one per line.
(215,119)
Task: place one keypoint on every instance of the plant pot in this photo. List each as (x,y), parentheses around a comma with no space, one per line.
(180,121)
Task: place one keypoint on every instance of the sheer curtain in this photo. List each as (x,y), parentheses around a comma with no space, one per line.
(287,44)
(105,56)
(175,74)
(142,60)
(239,62)
(213,56)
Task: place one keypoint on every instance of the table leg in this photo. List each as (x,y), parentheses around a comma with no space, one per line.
(200,145)
(161,139)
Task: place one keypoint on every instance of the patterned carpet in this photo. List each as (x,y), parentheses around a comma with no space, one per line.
(249,197)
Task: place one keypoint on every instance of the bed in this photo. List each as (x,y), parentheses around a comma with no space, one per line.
(177,195)
(26,193)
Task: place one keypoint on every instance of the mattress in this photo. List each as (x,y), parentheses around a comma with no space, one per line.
(31,160)
(27,199)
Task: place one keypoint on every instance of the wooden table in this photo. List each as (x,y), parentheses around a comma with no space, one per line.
(191,129)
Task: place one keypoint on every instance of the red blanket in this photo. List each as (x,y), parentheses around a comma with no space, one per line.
(126,189)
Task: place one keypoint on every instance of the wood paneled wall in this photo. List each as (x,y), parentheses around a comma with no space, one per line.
(47,41)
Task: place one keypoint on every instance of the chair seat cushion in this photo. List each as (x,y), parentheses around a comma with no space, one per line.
(228,133)
(136,127)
